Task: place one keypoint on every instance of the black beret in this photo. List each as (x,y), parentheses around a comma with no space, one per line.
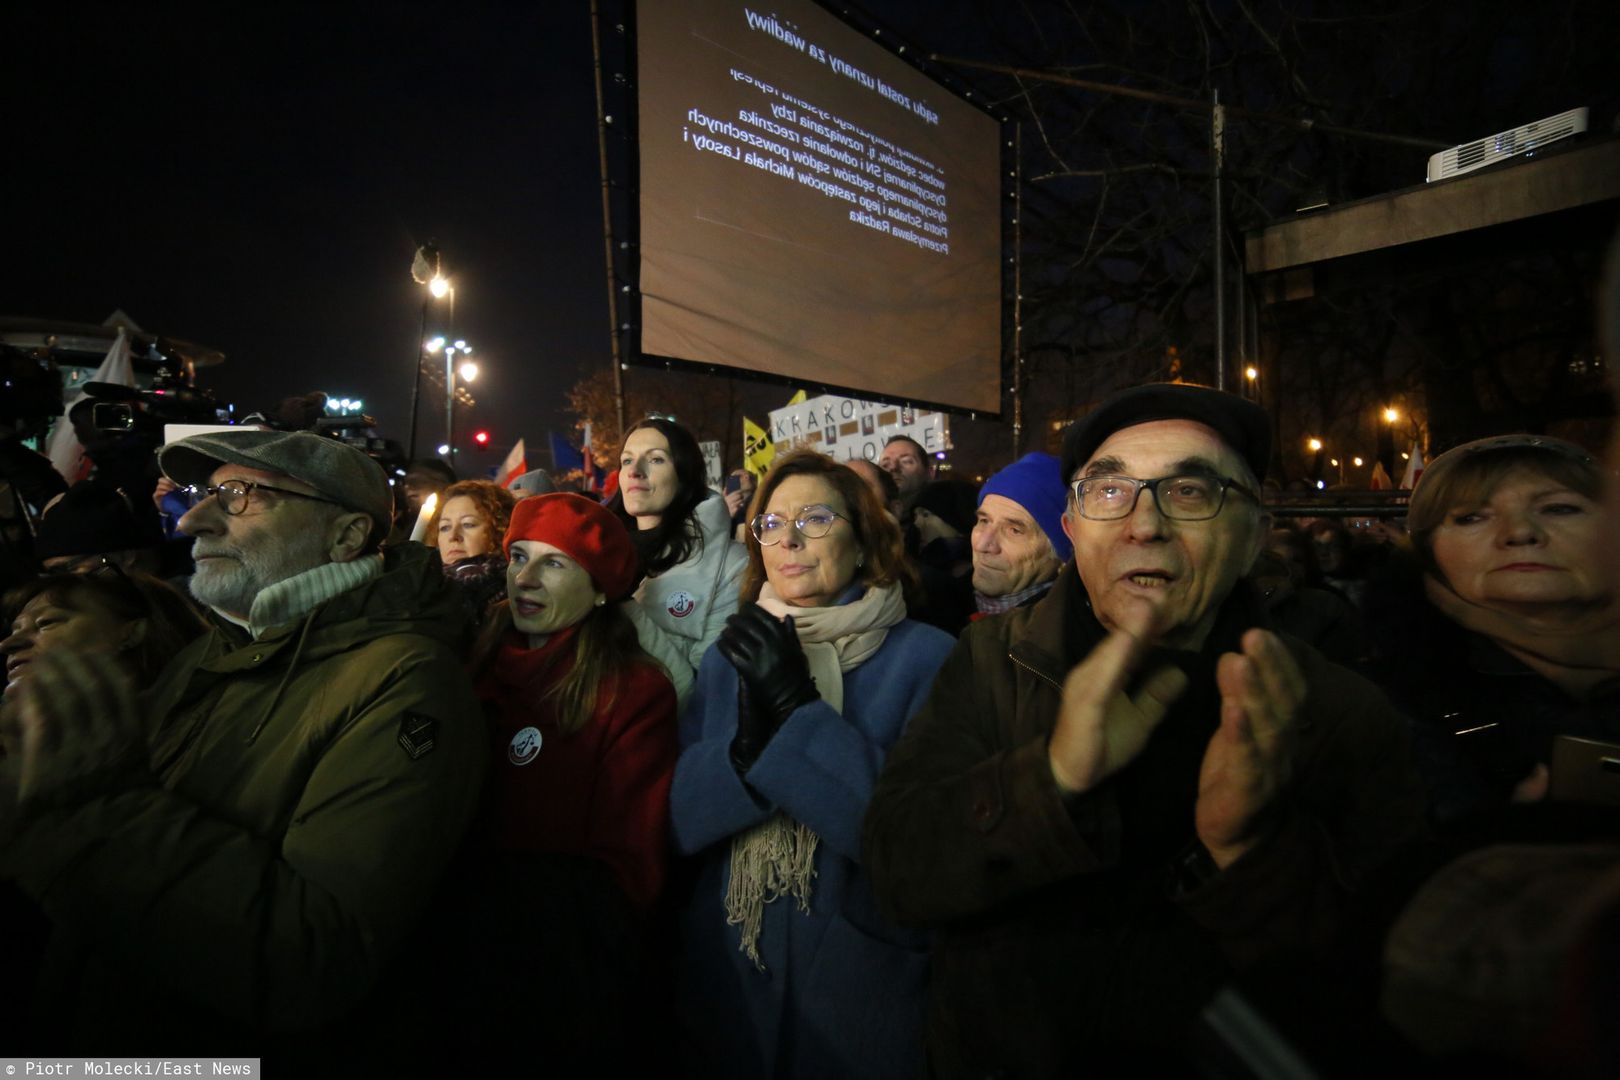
(1241,424)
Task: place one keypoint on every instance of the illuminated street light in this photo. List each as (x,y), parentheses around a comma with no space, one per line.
(439,287)
(1390,416)
(435,345)
(1357,462)
(444,449)
(1251,373)
(469,372)
(1333,462)
(1314,445)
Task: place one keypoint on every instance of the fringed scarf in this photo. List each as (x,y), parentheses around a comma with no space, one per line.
(777,857)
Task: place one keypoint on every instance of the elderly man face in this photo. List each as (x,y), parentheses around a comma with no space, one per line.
(1184,568)
(283,530)
(909,465)
(1010,552)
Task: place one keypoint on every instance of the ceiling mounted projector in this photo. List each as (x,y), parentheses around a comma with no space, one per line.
(1493,148)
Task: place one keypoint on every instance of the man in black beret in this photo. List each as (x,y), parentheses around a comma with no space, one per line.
(1117,797)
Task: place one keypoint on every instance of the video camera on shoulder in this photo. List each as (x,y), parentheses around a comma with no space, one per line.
(126,409)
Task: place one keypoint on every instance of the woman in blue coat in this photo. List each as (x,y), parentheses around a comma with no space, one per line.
(786,968)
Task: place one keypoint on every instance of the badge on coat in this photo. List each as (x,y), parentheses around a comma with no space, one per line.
(681,604)
(416,734)
(524,747)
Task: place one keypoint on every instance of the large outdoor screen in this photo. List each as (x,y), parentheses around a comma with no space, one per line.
(812,207)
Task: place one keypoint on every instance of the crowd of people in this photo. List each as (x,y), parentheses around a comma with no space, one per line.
(845,770)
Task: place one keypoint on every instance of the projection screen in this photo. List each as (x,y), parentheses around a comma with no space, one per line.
(814,208)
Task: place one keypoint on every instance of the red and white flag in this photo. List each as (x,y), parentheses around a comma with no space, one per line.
(515,465)
(63,446)
(1379,481)
(1414,469)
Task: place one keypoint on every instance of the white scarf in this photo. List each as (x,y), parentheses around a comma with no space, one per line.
(777,857)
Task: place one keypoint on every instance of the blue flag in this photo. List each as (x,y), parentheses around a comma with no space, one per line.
(563,456)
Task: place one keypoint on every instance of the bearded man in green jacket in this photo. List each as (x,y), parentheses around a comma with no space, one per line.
(1119,796)
(235,857)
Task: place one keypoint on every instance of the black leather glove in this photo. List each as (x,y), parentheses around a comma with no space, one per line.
(774,678)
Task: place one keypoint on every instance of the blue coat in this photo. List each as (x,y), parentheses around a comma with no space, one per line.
(843,991)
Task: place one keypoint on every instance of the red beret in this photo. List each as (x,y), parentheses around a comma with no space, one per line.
(583,530)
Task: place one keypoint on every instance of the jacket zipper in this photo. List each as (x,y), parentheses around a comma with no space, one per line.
(1053,683)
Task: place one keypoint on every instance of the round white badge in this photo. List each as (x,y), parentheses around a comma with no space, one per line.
(681,604)
(524,747)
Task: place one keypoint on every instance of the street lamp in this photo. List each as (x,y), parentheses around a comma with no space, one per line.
(469,372)
(1386,438)
(426,269)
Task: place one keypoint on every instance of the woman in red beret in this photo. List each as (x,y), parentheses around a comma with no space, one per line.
(583,721)
(565,866)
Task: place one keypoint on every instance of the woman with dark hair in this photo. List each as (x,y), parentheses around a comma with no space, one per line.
(137,623)
(1510,620)
(786,967)
(683,533)
(138,620)
(549,909)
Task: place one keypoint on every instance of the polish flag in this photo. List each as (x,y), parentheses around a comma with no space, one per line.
(515,465)
(1414,469)
(589,464)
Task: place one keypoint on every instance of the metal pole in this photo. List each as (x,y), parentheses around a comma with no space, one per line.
(1217,138)
(416,381)
(450,403)
(607,226)
(1018,292)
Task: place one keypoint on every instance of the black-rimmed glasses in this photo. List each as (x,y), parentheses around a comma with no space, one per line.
(233,494)
(1179,498)
(813,522)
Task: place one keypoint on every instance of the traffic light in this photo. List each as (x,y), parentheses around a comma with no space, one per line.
(482,439)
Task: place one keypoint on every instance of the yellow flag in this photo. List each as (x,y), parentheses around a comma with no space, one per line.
(797,399)
(758,450)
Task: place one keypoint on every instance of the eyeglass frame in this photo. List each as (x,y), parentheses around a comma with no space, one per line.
(211,491)
(1225,483)
(797,521)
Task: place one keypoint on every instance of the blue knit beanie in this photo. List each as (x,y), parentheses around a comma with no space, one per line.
(1035,482)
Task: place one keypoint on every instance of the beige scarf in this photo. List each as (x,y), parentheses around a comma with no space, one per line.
(777,857)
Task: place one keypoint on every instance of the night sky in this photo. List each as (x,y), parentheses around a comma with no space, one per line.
(258,180)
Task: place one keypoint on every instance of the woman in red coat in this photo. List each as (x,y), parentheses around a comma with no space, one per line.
(550,910)
(582,721)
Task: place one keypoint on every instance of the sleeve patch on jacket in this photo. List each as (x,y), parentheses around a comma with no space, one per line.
(416,734)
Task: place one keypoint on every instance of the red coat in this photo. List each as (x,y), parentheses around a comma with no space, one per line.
(602,792)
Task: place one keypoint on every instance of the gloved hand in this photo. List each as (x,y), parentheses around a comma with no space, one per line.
(774,677)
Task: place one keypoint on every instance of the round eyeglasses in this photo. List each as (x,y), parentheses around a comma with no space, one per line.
(1179,498)
(233,494)
(813,522)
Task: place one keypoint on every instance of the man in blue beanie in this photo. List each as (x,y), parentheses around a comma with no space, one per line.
(1018,540)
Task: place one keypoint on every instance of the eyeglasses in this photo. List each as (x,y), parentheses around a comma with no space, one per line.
(813,523)
(233,494)
(1180,498)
